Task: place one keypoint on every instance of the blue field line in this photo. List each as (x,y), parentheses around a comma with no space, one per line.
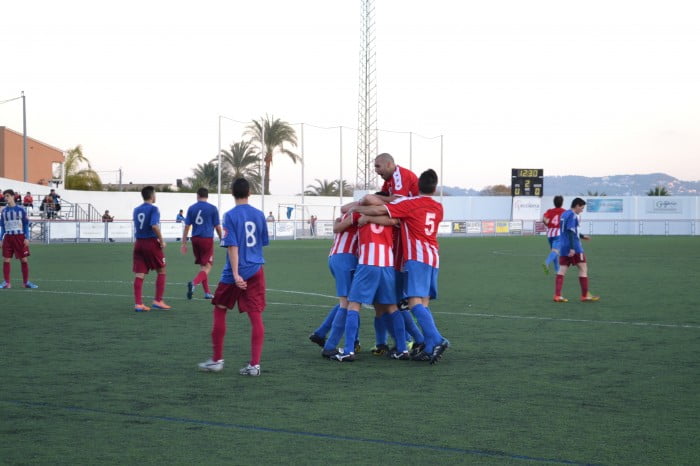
(226,425)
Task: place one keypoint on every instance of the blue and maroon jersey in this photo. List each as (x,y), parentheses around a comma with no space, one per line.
(145,217)
(203,217)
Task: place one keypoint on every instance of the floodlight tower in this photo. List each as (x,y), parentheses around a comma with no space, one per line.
(367,102)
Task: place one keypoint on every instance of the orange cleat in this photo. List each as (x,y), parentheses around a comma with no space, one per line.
(141,308)
(160,305)
(560,299)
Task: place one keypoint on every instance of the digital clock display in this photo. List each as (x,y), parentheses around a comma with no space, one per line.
(527,182)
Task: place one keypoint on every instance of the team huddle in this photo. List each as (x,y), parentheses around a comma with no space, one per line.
(385,253)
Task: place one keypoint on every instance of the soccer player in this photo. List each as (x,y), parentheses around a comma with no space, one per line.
(571,253)
(420,217)
(242,279)
(14,239)
(148,250)
(374,282)
(342,261)
(551,219)
(205,218)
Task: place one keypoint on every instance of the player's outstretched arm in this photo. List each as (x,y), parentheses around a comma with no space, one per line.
(344,209)
(371,210)
(340,225)
(378,220)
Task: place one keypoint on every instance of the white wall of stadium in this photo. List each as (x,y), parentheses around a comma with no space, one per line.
(464,215)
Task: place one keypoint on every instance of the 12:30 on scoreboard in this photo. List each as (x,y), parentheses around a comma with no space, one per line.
(527,182)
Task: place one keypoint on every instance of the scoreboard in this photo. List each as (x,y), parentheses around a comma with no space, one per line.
(527,182)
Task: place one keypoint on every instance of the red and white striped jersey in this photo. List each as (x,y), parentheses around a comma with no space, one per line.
(375,244)
(554,216)
(402,183)
(420,217)
(345,242)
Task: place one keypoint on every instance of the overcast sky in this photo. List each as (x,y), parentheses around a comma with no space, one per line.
(589,88)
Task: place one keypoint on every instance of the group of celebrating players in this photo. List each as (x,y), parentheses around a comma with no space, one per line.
(385,253)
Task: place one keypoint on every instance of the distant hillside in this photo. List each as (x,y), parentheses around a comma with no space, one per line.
(619,185)
(615,185)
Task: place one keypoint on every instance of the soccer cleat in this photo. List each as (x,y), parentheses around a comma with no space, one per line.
(208,296)
(211,366)
(190,290)
(31,285)
(330,354)
(340,357)
(560,299)
(417,348)
(358,347)
(5,286)
(438,350)
(250,370)
(160,305)
(403,305)
(589,298)
(318,339)
(141,308)
(421,356)
(380,350)
(400,356)
(545,267)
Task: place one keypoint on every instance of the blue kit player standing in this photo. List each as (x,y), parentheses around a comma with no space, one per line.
(551,219)
(571,253)
(148,250)
(242,279)
(14,239)
(203,218)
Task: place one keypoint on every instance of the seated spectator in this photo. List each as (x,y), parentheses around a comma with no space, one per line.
(18,198)
(106,217)
(270,217)
(48,207)
(56,201)
(180,218)
(28,202)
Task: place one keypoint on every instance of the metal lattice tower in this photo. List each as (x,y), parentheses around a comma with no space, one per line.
(367,102)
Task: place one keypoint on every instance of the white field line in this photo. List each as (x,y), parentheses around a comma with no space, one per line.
(303,293)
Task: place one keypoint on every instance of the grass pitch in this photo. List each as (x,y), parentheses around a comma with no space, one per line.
(85,380)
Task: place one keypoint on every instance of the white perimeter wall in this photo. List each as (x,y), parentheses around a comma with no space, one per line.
(613,208)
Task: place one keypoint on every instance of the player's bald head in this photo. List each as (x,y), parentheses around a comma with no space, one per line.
(384,165)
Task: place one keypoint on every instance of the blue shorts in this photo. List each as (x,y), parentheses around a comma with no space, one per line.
(373,285)
(421,280)
(400,285)
(342,268)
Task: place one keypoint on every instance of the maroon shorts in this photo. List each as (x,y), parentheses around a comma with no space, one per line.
(571,261)
(203,249)
(13,245)
(251,299)
(148,255)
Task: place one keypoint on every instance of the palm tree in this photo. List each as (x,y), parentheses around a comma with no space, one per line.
(205,175)
(347,188)
(595,194)
(242,162)
(322,188)
(658,191)
(328,188)
(84,179)
(277,133)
